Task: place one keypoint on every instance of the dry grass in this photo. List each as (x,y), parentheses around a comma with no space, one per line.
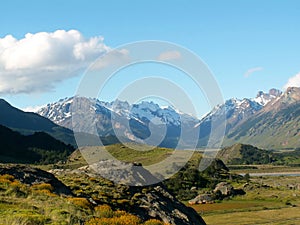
(287,216)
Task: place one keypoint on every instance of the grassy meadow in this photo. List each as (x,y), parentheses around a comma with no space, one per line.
(268,200)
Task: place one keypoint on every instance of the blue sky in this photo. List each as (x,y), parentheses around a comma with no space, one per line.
(231,37)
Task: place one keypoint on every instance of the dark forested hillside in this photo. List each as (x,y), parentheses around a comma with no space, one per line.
(35,148)
(28,123)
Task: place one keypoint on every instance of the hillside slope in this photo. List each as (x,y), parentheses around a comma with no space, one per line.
(28,123)
(39,147)
(33,196)
(244,154)
(276,126)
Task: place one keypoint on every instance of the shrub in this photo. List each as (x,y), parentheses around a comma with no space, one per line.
(127,219)
(119,213)
(16,189)
(26,220)
(104,211)
(44,192)
(81,202)
(6,178)
(43,186)
(43,189)
(154,222)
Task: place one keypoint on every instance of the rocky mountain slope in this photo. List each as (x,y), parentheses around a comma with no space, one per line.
(60,112)
(135,122)
(275,126)
(270,120)
(234,112)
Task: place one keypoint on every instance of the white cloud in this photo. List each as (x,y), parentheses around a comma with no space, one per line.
(252,70)
(293,82)
(33,108)
(169,55)
(38,61)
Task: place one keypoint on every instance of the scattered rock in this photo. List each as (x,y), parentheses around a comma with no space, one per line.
(202,199)
(225,188)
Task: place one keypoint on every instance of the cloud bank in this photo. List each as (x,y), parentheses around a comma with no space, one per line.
(38,61)
(293,82)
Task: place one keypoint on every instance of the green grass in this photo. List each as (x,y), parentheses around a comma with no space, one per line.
(36,204)
(133,153)
(284,216)
(269,200)
(263,169)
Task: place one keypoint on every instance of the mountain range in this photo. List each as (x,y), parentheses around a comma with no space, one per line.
(270,120)
(135,122)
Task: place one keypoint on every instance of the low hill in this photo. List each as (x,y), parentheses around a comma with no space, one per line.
(120,152)
(245,154)
(39,147)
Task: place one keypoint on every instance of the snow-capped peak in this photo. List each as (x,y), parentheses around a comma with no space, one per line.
(59,112)
(264,98)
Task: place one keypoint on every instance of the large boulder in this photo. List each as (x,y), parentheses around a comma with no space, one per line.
(160,204)
(225,188)
(202,199)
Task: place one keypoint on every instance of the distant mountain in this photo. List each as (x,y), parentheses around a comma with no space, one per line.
(276,126)
(264,98)
(60,112)
(270,120)
(119,118)
(236,111)
(35,148)
(28,123)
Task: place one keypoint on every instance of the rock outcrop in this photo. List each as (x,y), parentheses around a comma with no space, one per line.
(159,203)
(147,202)
(30,176)
(225,188)
(202,199)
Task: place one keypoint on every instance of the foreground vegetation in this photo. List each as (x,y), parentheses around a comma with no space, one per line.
(268,200)
(37,204)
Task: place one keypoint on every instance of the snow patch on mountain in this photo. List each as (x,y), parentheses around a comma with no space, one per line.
(264,98)
(237,110)
(142,112)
